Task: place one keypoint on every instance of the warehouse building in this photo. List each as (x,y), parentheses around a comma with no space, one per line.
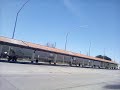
(21,50)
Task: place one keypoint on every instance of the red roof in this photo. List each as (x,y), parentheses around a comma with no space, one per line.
(41,47)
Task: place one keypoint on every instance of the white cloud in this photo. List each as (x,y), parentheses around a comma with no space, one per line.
(70,6)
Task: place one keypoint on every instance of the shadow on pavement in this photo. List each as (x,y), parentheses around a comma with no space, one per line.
(113,87)
(31,63)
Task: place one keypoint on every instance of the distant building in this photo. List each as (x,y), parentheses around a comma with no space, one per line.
(22,50)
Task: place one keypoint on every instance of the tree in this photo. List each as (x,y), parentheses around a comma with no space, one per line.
(104,57)
(51,45)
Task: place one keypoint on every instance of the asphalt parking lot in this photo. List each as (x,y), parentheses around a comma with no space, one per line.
(14,76)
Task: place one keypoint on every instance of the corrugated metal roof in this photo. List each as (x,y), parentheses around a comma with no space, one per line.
(41,47)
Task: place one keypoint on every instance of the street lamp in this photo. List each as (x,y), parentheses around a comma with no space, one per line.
(89,48)
(68,34)
(104,53)
(17,17)
(66,39)
(65,44)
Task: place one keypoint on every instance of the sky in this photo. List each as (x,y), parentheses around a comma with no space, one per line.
(87,21)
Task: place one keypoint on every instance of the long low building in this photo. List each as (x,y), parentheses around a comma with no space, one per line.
(39,53)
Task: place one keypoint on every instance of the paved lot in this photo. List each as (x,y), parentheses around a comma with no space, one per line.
(43,77)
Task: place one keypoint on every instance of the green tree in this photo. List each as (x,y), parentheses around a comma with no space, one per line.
(104,57)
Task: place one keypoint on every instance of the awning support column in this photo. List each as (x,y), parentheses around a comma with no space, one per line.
(83,63)
(71,60)
(1,49)
(92,63)
(63,59)
(9,48)
(55,59)
(33,56)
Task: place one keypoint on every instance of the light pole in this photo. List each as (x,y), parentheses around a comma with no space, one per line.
(17,18)
(68,34)
(89,48)
(80,52)
(65,45)
(66,39)
(104,54)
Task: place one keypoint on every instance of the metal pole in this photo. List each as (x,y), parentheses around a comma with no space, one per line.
(89,48)
(1,47)
(66,40)
(33,56)
(80,52)
(55,45)
(17,18)
(63,59)
(55,59)
(104,54)
(68,33)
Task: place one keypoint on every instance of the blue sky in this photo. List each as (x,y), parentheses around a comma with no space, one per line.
(42,21)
